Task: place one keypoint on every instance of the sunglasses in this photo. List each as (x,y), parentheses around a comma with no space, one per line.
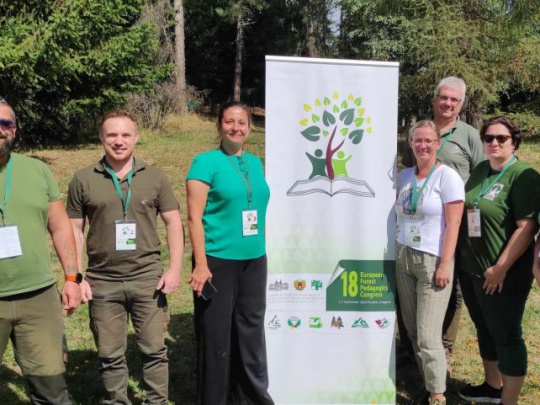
(8,123)
(500,138)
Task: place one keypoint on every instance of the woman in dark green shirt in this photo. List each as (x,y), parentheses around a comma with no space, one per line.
(502,197)
(227,197)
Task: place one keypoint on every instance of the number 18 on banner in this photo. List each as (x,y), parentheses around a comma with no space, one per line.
(362,285)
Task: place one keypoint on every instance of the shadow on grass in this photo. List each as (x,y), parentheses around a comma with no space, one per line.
(84,381)
(7,395)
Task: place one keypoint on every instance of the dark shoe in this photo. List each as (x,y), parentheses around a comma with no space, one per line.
(483,393)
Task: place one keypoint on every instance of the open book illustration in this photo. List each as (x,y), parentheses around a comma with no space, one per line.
(322,184)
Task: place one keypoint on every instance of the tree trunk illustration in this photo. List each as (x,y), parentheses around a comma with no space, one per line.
(330,152)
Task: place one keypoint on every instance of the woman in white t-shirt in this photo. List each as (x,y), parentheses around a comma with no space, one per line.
(429,207)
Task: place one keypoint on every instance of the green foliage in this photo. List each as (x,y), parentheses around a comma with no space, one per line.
(490,44)
(64,62)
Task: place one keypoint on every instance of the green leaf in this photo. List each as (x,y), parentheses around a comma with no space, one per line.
(351,97)
(325,132)
(347,116)
(361,111)
(315,118)
(358,101)
(344,104)
(336,109)
(317,102)
(328,119)
(304,122)
(335,95)
(311,133)
(307,107)
(358,122)
(369,130)
(344,131)
(356,136)
(327,101)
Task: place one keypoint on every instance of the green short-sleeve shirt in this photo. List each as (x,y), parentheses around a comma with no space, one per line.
(515,196)
(227,198)
(92,195)
(33,187)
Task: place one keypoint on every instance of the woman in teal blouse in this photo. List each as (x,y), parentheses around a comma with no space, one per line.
(227,197)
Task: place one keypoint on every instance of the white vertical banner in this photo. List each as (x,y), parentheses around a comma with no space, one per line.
(331,139)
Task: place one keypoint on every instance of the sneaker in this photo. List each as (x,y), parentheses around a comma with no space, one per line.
(483,393)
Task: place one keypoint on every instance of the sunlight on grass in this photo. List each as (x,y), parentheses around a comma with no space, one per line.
(172,149)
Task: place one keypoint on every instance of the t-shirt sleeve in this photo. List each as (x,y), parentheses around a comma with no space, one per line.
(477,148)
(75,203)
(166,199)
(53,191)
(452,187)
(525,195)
(200,170)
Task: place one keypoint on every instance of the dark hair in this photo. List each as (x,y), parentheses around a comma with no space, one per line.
(515,132)
(116,114)
(231,104)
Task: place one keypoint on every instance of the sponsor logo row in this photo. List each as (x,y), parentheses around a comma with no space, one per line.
(317,322)
(299,285)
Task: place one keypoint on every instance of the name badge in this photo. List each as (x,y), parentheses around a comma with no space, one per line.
(474,224)
(10,244)
(413,235)
(126,235)
(250,224)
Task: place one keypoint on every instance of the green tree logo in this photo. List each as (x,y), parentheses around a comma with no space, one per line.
(335,122)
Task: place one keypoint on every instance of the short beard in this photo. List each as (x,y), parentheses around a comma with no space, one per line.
(5,148)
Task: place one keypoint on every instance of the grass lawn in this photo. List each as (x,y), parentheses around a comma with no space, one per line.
(172,152)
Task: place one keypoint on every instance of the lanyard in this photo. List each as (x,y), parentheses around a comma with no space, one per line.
(415,194)
(9,171)
(246,179)
(483,191)
(446,139)
(127,200)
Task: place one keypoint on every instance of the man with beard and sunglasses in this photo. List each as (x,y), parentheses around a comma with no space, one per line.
(31,206)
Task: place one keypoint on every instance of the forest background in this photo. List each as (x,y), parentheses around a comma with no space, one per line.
(64,62)
(171,62)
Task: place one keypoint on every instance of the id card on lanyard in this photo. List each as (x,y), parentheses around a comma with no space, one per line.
(250,217)
(413,229)
(474,217)
(125,231)
(10,244)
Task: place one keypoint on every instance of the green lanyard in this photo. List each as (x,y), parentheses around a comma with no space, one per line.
(246,179)
(446,139)
(415,194)
(127,200)
(9,172)
(483,191)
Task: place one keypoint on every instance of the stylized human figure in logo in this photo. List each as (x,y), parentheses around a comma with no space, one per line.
(340,164)
(319,164)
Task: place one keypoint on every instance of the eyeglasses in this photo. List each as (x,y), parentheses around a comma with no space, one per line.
(427,142)
(9,124)
(500,138)
(453,100)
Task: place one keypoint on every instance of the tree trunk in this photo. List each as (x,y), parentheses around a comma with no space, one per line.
(239,55)
(311,45)
(180,58)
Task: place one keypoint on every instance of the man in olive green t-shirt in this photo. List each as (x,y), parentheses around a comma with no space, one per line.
(31,207)
(121,197)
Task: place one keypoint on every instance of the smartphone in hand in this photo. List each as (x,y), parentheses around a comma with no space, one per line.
(208,290)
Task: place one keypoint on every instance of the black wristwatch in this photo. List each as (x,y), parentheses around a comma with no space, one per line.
(76,278)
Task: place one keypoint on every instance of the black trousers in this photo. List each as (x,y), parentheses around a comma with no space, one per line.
(231,347)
